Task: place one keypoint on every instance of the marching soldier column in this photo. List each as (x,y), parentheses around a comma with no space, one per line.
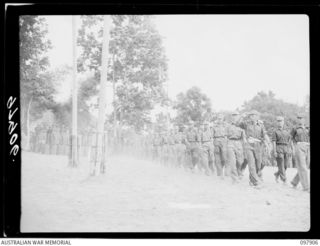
(221,149)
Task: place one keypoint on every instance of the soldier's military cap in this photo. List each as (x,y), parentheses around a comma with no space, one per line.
(235,113)
(253,112)
(280,118)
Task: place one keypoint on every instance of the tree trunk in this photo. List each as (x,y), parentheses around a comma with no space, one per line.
(99,165)
(28,124)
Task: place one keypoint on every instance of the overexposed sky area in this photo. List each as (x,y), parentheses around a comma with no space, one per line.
(230,57)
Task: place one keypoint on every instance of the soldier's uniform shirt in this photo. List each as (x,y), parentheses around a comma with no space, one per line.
(219,130)
(206,136)
(192,136)
(282,138)
(179,138)
(254,130)
(300,134)
(234,132)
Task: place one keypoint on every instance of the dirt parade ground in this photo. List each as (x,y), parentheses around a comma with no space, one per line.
(142,196)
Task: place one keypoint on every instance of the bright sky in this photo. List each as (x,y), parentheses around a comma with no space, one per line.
(230,57)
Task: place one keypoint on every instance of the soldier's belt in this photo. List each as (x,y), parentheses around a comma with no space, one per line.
(282,143)
(220,137)
(206,141)
(234,138)
(253,140)
(306,143)
(193,141)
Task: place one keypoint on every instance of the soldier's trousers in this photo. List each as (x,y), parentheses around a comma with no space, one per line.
(208,155)
(220,154)
(302,159)
(235,158)
(254,158)
(194,153)
(283,159)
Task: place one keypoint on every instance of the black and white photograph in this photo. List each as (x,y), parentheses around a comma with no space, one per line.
(165,123)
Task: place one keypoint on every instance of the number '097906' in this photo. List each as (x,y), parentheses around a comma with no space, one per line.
(14,147)
(308,242)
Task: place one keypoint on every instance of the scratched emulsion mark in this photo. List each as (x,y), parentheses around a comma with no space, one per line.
(186,205)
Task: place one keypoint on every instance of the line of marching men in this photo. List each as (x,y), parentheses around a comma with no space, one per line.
(227,148)
(56,140)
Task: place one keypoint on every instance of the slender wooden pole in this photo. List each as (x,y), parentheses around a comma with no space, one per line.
(73,158)
(114,96)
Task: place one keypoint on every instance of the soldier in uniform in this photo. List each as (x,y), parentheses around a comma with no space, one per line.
(60,142)
(281,147)
(48,142)
(84,139)
(66,141)
(220,146)
(255,135)
(236,139)
(154,146)
(208,148)
(301,139)
(180,146)
(158,144)
(266,148)
(164,147)
(93,142)
(193,141)
(171,147)
(55,140)
(43,140)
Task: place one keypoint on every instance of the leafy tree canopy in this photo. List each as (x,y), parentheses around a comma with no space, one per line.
(192,105)
(137,63)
